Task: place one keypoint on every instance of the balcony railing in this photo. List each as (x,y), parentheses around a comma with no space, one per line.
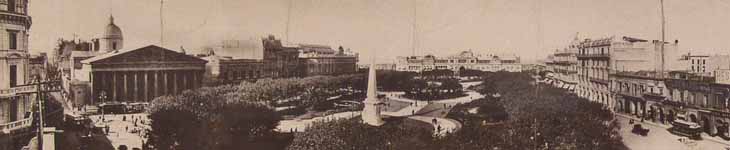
(12,126)
(593,56)
(598,80)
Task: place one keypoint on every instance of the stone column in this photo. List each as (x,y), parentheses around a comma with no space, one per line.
(136,94)
(165,87)
(125,93)
(185,80)
(175,81)
(146,86)
(156,86)
(114,86)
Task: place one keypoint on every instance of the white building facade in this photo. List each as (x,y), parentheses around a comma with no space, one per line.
(14,60)
(461,61)
(600,57)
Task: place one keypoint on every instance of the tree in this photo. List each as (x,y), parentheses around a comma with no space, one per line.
(351,134)
(209,118)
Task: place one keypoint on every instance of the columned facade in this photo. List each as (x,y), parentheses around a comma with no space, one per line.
(143,74)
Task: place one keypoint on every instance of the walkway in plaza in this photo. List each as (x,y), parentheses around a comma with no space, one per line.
(412,111)
(301,125)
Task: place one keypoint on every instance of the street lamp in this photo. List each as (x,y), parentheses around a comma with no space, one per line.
(102,97)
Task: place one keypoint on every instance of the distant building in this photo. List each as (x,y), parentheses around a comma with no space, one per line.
(563,66)
(235,63)
(705,65)
(463,60)
(37,66)
(323,60)
(68,55)
(722,76)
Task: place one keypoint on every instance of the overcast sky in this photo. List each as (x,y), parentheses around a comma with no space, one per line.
(529,28)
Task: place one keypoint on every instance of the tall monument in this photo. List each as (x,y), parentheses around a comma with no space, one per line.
(371,112)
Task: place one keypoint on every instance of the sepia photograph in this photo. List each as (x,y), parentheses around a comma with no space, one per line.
(364,75)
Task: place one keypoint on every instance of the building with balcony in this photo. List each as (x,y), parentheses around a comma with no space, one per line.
(700,99)
(598,58)
(460,61)
(14,60)
(563,67)
(641,94)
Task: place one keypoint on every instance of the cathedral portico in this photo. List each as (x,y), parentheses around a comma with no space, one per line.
(142,74)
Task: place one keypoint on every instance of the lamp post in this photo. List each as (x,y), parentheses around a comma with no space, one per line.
(102,97)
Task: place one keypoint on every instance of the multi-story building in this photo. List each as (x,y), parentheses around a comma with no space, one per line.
(238,60)
(640,93)
(706,65)
(379,66)
(14,61)
(70,53)
(461,61)
(37,66)
(563,65)
(700,100)
(323,60)
(600,57)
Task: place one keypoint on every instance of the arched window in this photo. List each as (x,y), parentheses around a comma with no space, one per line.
(114,45)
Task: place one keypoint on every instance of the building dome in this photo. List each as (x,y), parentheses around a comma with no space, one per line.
(112,38)
(112,31)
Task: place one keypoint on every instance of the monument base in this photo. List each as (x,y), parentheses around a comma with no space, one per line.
(371,115)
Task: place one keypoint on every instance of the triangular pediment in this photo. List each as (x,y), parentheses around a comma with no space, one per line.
(150,53)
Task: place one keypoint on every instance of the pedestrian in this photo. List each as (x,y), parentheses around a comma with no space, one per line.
(413,112)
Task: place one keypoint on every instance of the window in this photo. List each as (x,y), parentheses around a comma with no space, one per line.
(13,75)
(12,39)
(114,45)
(11,5)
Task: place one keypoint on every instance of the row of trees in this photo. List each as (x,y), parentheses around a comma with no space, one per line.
(432,90)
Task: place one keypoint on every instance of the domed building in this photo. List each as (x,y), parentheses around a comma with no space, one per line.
(112,38)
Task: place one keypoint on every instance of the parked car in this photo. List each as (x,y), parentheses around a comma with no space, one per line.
(638,129)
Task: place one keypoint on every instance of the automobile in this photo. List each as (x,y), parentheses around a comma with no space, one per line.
(685,128)
(638,129)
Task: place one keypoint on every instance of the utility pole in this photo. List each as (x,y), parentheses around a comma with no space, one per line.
(415,19)
(39,97)
(661,74)
(162,26)
(288,19)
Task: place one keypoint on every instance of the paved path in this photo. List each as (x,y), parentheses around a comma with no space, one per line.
(301,125)
(660,139)
(120,132)
(447,125)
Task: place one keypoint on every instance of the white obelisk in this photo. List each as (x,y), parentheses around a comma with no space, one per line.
(371,112)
